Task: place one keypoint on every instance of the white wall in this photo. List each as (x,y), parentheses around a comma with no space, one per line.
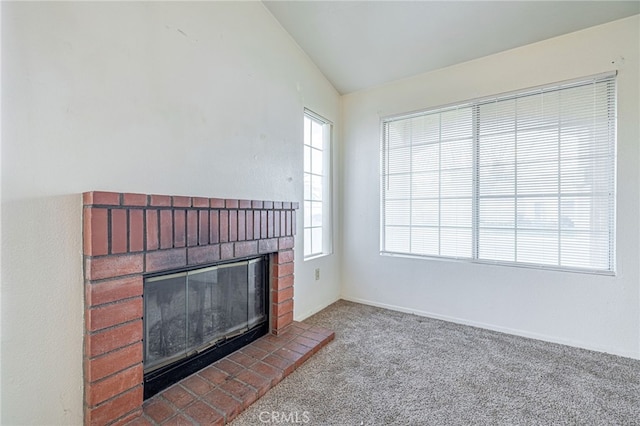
(202,99)
(596,312)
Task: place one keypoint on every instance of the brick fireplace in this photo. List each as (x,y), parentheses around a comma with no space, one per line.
(129,235)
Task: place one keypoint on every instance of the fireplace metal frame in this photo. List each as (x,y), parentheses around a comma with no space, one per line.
(164,376)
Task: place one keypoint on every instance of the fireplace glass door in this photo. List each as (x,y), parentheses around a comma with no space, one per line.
(189,312)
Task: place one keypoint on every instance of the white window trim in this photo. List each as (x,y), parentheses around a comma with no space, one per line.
(474,258)
(327,195)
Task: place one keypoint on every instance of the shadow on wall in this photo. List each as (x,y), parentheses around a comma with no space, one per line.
(42,310)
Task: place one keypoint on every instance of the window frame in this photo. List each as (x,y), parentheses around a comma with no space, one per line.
(327,189)
(475,104)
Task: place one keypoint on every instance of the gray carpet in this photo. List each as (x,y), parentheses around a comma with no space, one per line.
(391,368)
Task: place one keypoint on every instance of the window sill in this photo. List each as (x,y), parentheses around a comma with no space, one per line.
(317,256)
(502,264)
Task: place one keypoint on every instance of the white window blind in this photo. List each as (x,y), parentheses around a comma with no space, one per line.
(427,188)
(525,178)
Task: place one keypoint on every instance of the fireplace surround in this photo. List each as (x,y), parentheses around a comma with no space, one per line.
(127,236)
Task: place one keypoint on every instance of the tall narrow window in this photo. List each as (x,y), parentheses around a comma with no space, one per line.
(526,178)
(317,185)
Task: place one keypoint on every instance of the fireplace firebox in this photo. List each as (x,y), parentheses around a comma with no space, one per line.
(195,317)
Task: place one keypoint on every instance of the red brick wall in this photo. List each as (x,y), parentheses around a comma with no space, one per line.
(128,235)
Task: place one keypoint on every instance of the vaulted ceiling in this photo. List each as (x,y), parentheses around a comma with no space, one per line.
(360,44)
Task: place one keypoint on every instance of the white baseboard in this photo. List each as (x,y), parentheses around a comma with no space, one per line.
(307,314)
(516,332)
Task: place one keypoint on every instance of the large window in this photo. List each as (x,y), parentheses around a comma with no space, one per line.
(317,185)
(526,178)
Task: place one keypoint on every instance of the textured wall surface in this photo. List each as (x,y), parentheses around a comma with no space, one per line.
(190,98)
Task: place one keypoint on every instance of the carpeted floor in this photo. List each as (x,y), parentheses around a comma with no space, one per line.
(391,368)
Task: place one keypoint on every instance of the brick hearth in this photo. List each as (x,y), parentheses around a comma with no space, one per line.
(129,235)
(218,393)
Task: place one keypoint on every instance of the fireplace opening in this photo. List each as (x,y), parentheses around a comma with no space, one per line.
(194,317)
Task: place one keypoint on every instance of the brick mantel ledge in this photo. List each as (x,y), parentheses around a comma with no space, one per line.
(126,235)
